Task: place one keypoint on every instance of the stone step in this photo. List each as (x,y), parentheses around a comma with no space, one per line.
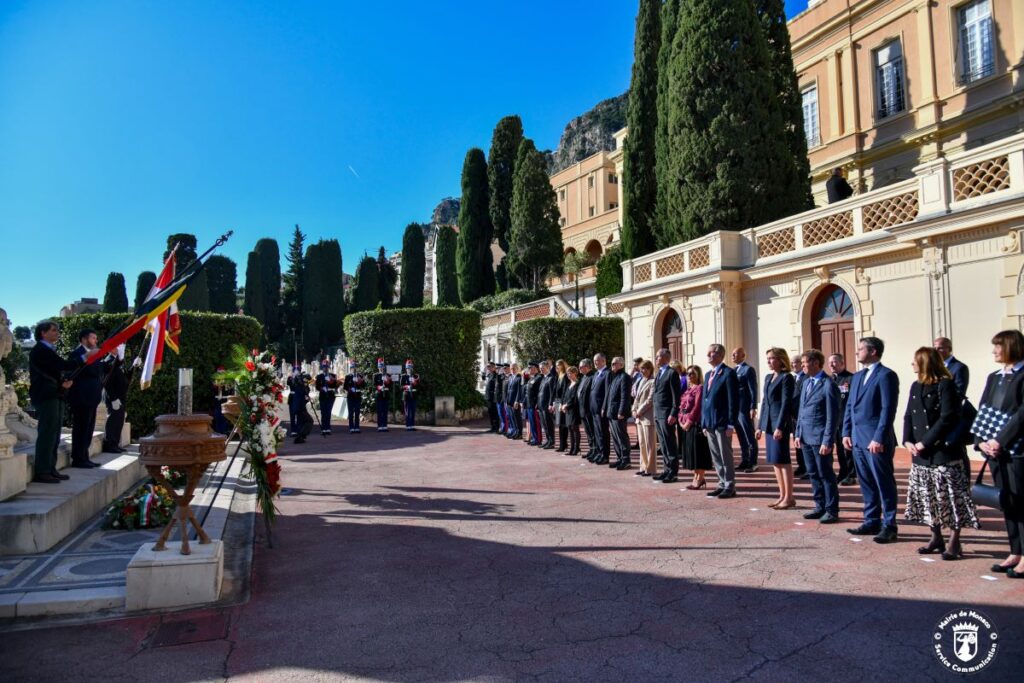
(64,448)
(37,519)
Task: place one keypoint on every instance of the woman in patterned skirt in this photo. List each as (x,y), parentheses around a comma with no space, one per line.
(939,490)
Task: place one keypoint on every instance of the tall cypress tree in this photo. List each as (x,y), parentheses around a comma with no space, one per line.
(222,277)
(792,176)
(253,304)
(323,305)
(270,277)
(387,280)
(719,124)
(444,267)
(473,252)
(292,286)
(535,242)
(115,298)
(414,267)
(501,165)
(312,301)
(664,231)
(143,284)
(366,288)
(196,296)
(640,190)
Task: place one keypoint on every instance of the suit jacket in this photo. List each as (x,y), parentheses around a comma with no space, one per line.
(665,393)
(747,378)
(87,391)
(643,401)
(871,408)
(720,399)
(777,403)
(617,401)
(598,389)
(837,189)
(932,415)
(512,389)
(798,390)
(583,393)
(547,390)
(561,385)
(533,391)
(490,384)
(571,402)
(115,384)
(961,375)
(499,388)
(819,413)
(45,370)
(1009,399)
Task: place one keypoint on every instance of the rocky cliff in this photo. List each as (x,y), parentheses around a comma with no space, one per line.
(589,133)
(447,211)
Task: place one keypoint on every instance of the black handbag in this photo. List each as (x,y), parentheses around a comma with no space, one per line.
(986,495)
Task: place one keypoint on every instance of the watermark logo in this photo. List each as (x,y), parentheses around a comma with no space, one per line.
(965,641)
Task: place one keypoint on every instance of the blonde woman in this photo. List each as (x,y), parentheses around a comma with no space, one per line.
(643,412)
(561,385)
(777,423)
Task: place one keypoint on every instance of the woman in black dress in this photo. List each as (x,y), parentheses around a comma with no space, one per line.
(696,452)
(571,410)
(559,397)
(938,490)
(1004,392)
(777,423)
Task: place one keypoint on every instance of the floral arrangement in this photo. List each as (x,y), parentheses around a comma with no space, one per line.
(257,386)
(176,478)
(145,507)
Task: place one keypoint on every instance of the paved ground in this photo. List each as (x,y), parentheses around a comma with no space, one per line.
(450,554)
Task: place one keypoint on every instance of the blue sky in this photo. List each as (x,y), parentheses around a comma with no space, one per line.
(122,121)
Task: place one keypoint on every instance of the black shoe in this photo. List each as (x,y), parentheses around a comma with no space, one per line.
(742,466)
(864,530)
(828,518)
(715,494)
(849,481)
(62,477)
(799,472)
(81,465)
(932,548)
(614,464)
(804,476)
(601,461)
(886,535)
(670,479)
(659,477)
(1000,569)
(751,469)
(1014,574)
(641,473)
(815,514)
(300,439)
(726,494)
(624,465)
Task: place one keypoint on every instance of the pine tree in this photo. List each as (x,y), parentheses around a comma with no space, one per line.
(253,287)
(413,267)
(270,278)
(196,296)
(115,298)
(535,241)
(292,290)
(662,168)
(640,191)
(719,126)
(444,267)
(792,170)
(143,284)
(222,276)
(366,288)
(473,253)
(501,165)
(387,280)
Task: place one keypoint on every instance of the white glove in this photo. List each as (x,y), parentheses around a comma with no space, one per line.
(116,404)
(120,352)
(137,362)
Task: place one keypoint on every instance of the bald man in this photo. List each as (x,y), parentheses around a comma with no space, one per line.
(747,378)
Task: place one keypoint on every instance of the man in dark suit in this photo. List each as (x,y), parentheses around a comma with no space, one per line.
(500,379)
(513,403)
(798,390)
(666,404)
(868,432)
(46,386)
(490,385)
(115,394)
(602,431)
(815,434)
(531,393)
(84,397)
(719,406)
(836,187)
(747,378)
(841,377)
(961,373)
(546,402)
(583,393)
(617,407)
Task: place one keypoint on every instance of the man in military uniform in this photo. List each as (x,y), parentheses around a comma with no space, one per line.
(353,386)
(410,383)
(297,389)
(299,398)
(490,383)
(326,386)
(382,394)
(841,376)
(115,393)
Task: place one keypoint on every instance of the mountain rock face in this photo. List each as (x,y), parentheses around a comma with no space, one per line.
(589,133)
(446,212)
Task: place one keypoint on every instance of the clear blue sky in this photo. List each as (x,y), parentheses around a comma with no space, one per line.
(122,121)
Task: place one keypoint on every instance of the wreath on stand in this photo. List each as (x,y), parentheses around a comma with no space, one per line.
(259,392)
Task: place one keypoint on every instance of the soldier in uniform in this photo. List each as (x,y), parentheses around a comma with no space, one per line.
(353,386)
(841,376)
(299,398)
(499,398)
(410,383)
(326,386)
(295,399)
(382,394)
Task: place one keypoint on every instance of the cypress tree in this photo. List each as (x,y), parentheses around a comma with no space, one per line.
(323,305)
(663,229)
(270,278)
(366,288)
(253,304)
(792,176)
(387,280)
(196,296)
(292,289)
(640,191)
(473,252)
(535,241)
(719,124)
(501,165)
(414,266)
(143,284)
(115,298)
(312,300)
(444,267)
(222,276)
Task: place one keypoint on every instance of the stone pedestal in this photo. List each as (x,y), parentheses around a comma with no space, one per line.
(444,411)
(160,580)
(13,466)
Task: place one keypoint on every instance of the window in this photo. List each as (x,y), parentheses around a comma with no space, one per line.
(889,79)
(591,211)
(809,98)
(613,179)
(561,195)
(613,205)
(590,181)
(561,221)
(976,55)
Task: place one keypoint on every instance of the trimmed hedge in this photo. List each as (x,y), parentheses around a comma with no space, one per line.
(206,341)
(443,343)
(506,299)
(568,338)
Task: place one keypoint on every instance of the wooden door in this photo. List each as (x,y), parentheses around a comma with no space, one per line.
(672,334)
(833,327)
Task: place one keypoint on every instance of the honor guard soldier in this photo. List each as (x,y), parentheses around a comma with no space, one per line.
(382,393)
(410,383)
(354,385)
(326,386)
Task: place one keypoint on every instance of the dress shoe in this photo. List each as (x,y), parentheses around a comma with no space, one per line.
(615,464)
(82,465)
(799,472)
(805,476)
(45,479)
(828,518)
(750,469)
(849,481)
(886,535)
(601,461)
(1000,569)
(1014,574)
(932,548)
(863,530)
(659,477)
(715,493)
(814,514)
(624,465)
(953,554)
(62,477)
(742,467)
(728,493)
(641,473)
(670,479)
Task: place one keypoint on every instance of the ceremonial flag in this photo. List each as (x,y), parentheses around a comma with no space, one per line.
(159,328)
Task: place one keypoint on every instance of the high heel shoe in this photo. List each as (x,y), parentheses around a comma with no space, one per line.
(932,548)
(698,487)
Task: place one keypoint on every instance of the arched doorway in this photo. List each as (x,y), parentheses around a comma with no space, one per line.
(672,334)
(594,250)
(832,324)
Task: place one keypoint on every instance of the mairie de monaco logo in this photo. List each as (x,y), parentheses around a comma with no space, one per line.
(965,641)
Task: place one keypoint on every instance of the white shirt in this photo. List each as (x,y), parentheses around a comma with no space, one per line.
(867,374)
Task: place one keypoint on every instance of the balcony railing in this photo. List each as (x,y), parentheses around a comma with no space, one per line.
(550,307)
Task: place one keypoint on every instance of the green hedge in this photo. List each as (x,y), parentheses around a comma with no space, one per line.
(506,299)
(443,343)
(206,341)
(568,338)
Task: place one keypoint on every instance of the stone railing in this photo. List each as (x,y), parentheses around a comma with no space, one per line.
(569,278)
(941,186)
(550,307)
